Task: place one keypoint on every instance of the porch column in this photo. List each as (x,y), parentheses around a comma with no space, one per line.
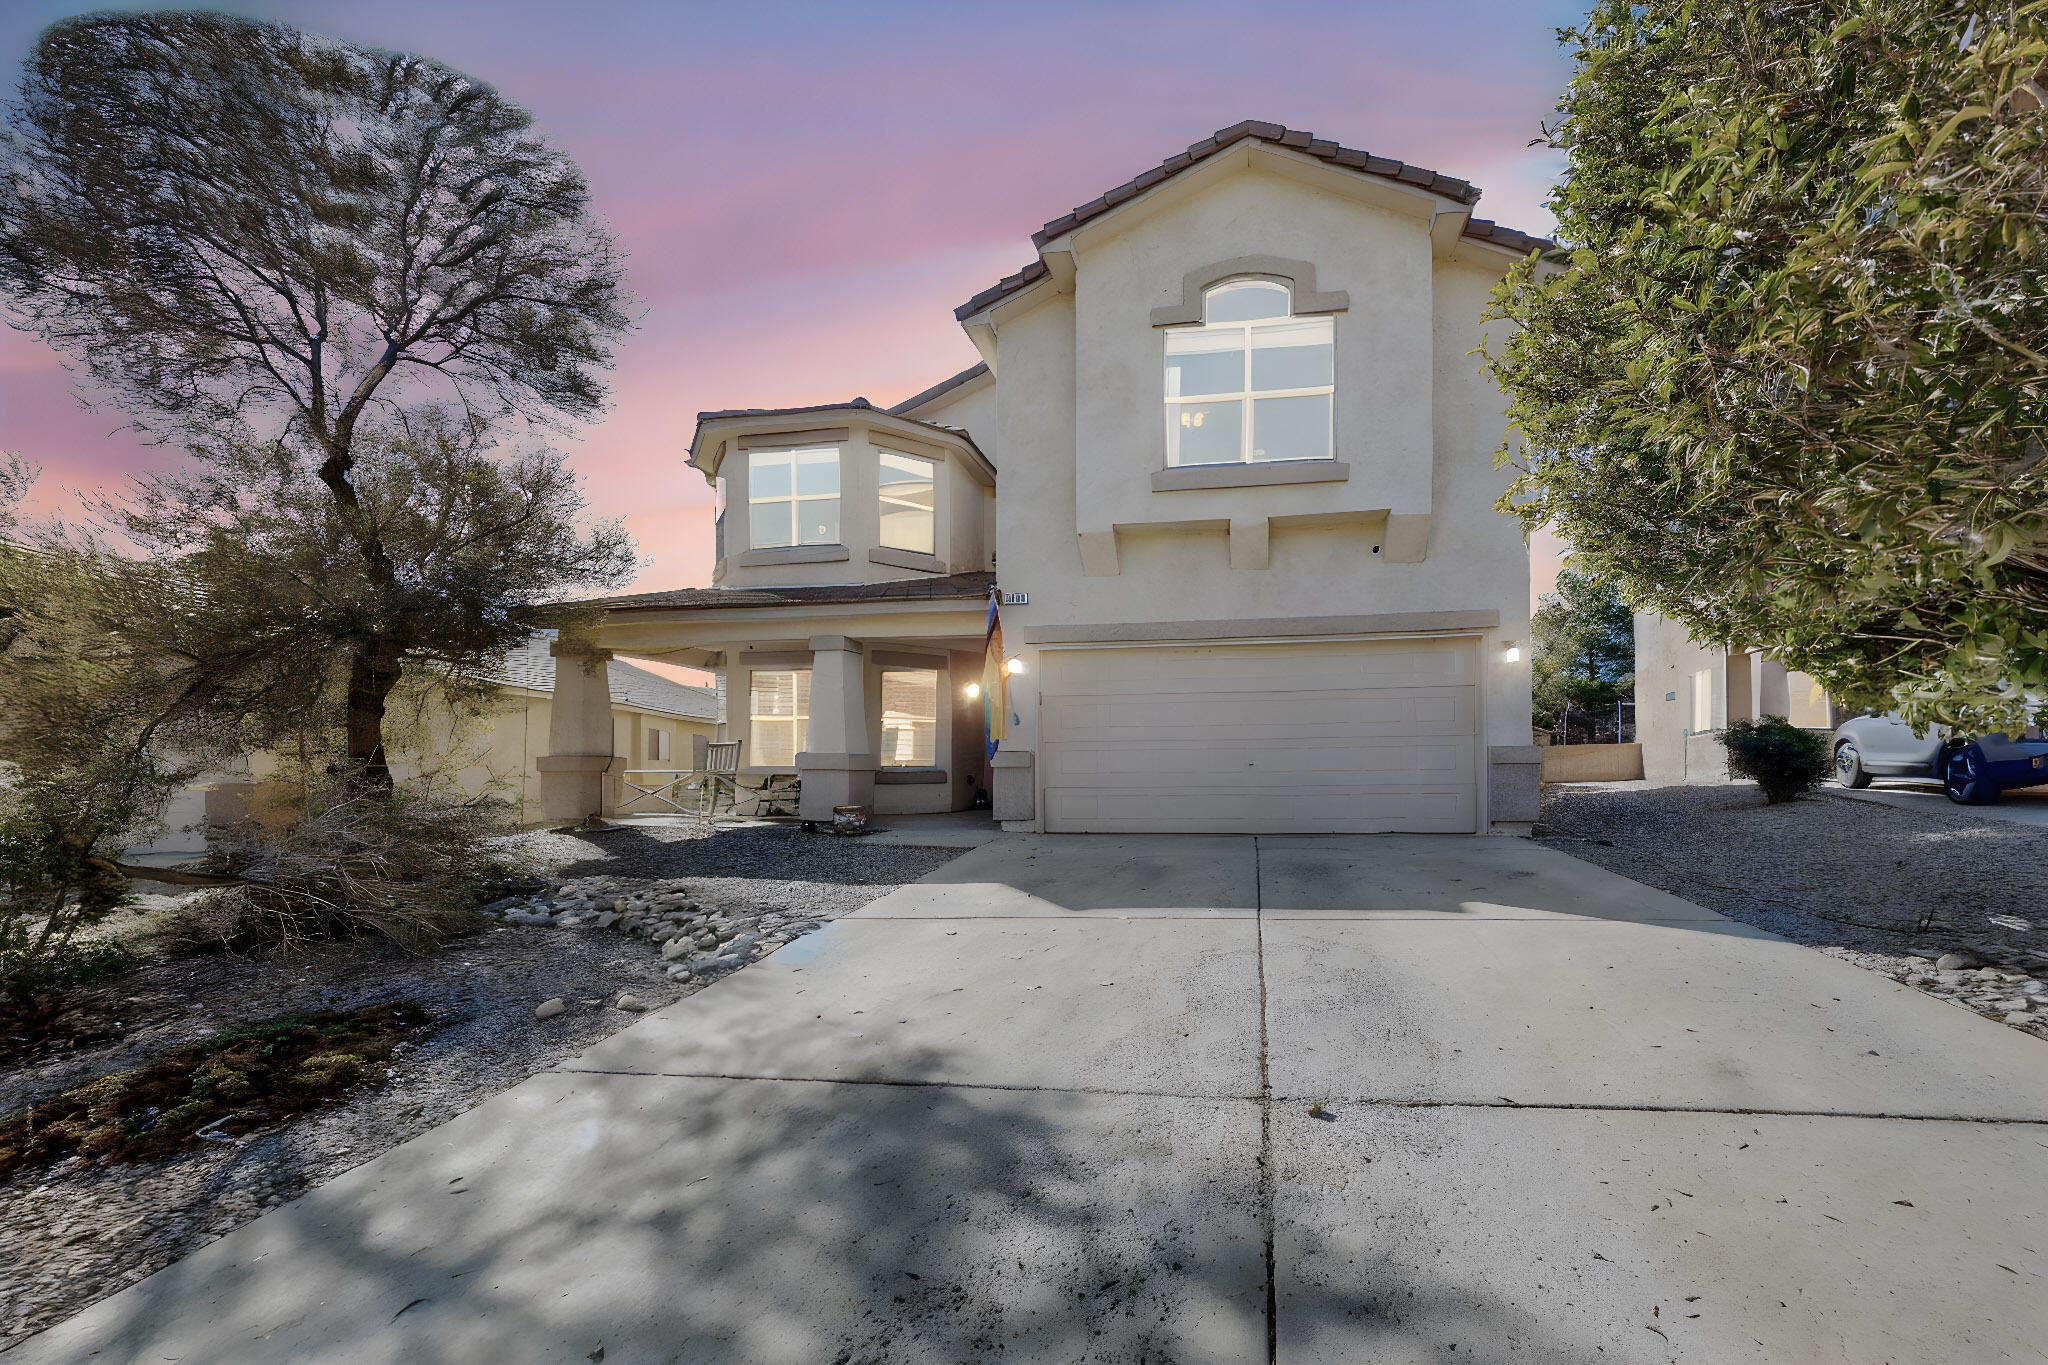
(837,765)
(573,771)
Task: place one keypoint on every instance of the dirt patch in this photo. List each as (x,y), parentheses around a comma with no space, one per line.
(232,1083)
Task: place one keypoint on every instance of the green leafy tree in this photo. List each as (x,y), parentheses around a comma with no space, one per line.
(251,238)
(1788,381)
(1585,648)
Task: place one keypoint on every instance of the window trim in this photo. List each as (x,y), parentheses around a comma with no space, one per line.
(793,498)
(1246,397)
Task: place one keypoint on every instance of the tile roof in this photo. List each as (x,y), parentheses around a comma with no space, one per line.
(1463,191)
(529,665)
(940,389)
(963,586)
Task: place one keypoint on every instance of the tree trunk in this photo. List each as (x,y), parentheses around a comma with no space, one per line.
(372,673)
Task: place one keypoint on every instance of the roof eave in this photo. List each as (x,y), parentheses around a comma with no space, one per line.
(767,420)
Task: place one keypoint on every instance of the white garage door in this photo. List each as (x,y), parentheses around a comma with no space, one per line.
(1340,738)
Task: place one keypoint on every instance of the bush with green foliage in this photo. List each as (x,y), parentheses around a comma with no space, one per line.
(1777,755)
(1788,381)
(57,880)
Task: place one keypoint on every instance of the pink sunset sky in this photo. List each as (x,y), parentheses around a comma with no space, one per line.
(806,191)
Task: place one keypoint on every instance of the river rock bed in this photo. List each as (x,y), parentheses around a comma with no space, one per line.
(697,944)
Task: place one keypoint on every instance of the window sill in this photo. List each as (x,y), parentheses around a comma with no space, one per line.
(909,777)
(906,559)
(1179,477)
(795,554)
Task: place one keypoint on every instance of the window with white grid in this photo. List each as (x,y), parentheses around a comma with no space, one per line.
(1252,383)
(910,718)
(793,497)
(780,719)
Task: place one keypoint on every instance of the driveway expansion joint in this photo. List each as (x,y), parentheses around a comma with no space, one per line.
(1568,1106)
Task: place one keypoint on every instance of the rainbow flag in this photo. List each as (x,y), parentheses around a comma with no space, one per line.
(995,701)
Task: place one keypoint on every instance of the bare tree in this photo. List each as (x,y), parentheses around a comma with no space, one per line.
(247,235)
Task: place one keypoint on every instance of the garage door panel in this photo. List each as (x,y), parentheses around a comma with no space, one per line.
(1259,716)
(1265,669)
(1146,810)
(1335,737)
(1276,764)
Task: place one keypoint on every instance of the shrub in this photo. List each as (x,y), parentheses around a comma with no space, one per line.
(1777,755)
(55,882)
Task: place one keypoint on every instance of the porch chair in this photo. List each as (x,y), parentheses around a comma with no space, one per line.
(720,776)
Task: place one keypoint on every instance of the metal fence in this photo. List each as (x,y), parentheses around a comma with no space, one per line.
(1615,724)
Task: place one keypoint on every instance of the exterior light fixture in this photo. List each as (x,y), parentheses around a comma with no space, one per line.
(1513,653)
(1014,667)
(973,691)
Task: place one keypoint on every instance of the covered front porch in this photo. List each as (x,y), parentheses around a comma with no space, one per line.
(862,694)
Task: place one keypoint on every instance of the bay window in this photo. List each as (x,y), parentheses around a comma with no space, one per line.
(1251,383)
(793,497)
(779,717)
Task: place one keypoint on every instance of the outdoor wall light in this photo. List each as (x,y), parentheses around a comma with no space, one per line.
(973,691)
(1513,653)
(1014,667)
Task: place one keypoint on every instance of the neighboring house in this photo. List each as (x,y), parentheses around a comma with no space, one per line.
(1687,692)
(1252,575)
(656,726)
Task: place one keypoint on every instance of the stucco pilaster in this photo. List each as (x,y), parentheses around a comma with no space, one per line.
(574,773)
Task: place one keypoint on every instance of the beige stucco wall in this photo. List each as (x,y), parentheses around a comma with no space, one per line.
(960,532)
(1080,422)
(972,408)
(1741,683)
(1592,762)
(1383,348)
(496,751)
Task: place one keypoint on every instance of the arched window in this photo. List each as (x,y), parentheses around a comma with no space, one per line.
(1252,382)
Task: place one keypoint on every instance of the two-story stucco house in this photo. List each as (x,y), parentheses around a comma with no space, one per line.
(1230,461)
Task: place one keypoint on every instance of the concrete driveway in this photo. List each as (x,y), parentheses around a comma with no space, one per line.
(1198,1099)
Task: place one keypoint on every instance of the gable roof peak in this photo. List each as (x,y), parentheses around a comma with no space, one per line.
(1280,135)
(1461,192)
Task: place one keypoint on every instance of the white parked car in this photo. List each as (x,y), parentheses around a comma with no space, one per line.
(1972,771)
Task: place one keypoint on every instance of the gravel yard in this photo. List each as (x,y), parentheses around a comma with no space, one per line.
(1950,904)
(69,1237)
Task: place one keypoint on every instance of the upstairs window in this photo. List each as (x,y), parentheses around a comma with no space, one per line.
(1252,383)
(718,518)
(779,720)
(910,718)
(793,497)
(906,491)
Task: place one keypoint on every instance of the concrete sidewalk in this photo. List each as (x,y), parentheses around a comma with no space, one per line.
(1198,1099)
